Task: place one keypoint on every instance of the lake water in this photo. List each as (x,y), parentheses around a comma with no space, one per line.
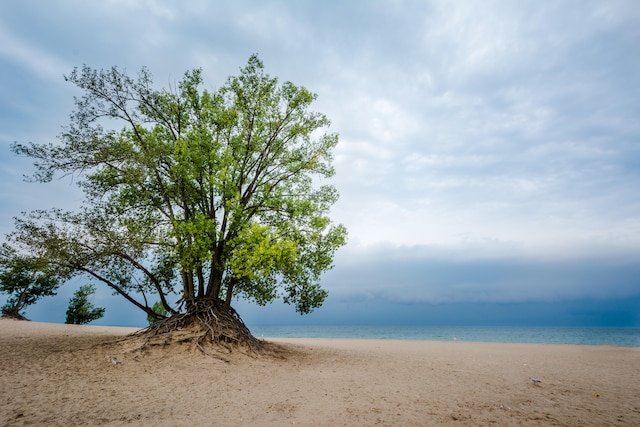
(625,337)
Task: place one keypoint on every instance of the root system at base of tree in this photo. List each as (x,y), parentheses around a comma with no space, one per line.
(209,325)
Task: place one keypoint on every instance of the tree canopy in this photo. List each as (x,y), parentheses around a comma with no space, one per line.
(211,195)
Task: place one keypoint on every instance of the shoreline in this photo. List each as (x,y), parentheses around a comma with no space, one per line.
(311,341)
(575,335)
(131,329)
(75,375)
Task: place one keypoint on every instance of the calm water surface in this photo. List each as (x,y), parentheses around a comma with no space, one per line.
(625,337)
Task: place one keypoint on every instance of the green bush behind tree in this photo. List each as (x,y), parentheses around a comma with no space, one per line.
(159,309)
(81,311)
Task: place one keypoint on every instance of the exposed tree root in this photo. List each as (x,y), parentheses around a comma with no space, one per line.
(209,326)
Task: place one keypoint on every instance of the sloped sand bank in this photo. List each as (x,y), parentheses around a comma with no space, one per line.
(82,375)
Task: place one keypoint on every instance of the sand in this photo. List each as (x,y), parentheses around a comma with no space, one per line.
(75,375)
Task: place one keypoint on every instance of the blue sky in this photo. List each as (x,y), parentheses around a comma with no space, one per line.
(489,154)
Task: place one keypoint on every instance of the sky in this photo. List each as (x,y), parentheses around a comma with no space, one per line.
(489,154)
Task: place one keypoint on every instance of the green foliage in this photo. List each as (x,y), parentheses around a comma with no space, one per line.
(209,195)
(25,280)
(158,309)
(81,311)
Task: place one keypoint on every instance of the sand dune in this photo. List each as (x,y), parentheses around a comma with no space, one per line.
(82,375)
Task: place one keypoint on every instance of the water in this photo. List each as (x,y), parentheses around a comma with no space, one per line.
(624,337)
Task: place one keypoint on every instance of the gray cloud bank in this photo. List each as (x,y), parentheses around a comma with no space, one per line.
(423,275)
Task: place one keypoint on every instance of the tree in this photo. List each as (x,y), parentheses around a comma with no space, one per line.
(25,280)
(81,311)
(209,195)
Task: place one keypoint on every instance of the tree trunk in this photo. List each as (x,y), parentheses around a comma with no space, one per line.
(188,295)
(18,306)
(227,301)
(200,281)
(215,283)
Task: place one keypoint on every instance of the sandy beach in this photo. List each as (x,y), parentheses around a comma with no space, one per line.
(86,375)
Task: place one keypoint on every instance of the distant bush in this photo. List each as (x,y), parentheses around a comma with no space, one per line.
(81,310)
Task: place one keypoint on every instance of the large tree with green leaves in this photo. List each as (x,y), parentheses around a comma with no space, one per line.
(212,195)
